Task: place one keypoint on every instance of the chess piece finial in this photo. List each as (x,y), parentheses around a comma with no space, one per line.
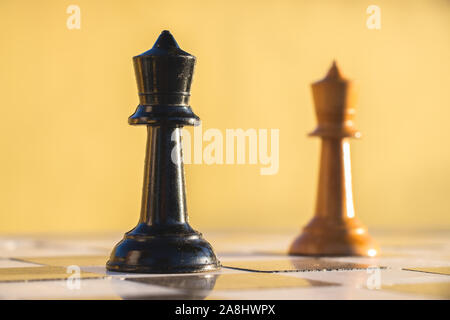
(163,241)
(334,72)
(334,230)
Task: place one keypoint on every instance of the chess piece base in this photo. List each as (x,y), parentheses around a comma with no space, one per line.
(345,238)
(163,251)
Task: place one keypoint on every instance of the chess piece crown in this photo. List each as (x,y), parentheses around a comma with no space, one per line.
(164,76)
(334,99)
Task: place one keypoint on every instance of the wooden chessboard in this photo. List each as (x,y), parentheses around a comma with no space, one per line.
(411,266)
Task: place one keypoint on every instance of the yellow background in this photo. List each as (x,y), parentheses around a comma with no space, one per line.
(70,162)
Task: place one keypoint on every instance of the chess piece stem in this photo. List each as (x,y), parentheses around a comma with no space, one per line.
(335,197)
(163,194)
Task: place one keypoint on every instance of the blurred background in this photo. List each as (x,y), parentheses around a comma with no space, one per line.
(71,163)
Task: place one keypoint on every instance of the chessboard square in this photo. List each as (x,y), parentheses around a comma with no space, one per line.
(86,289)
(40,273)
(264,280)
(294,264)
(436,270)
(440,290)
(65,261)
(10,263)
(198,285)
(187,286)
(319,293)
